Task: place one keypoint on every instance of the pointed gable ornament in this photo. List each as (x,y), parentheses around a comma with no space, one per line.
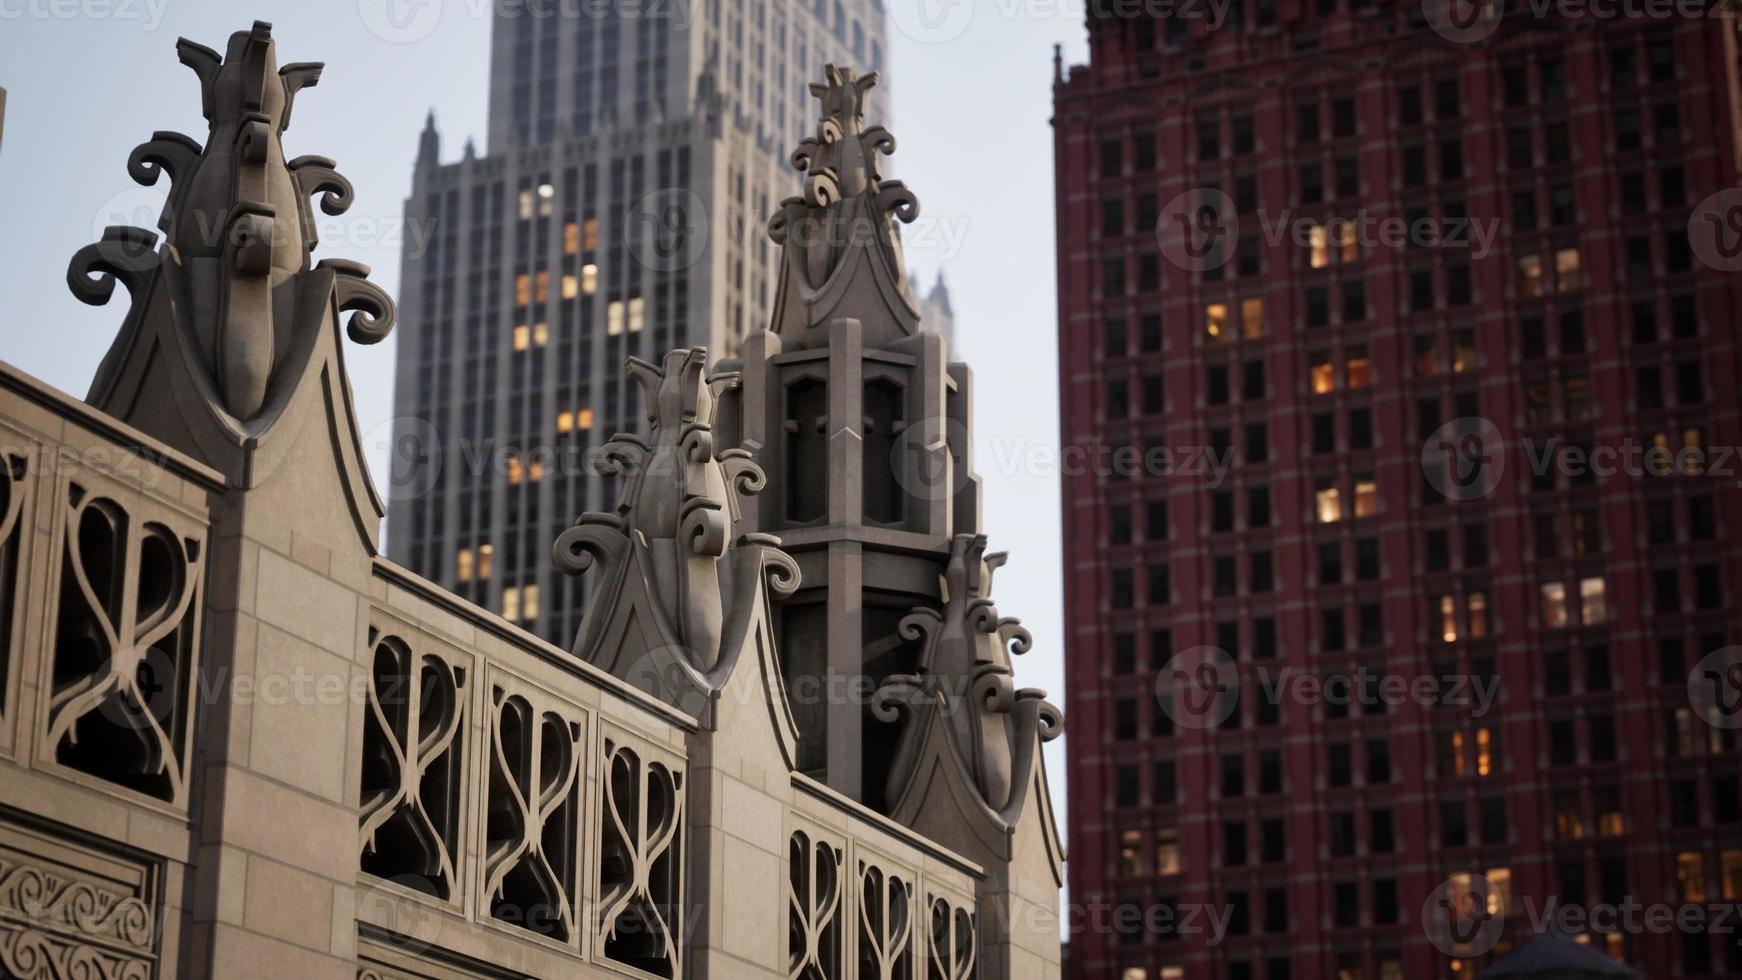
(230,322)
(965,719)
(841,250)
(679,587)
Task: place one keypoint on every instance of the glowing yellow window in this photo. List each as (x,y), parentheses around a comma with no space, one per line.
(1448,619)
(590,235)
(1167,851)
(540,334)
(1463,351)
(1131,852)
(529,602)
(525,204)
(523,289)
(1455,753)
(1252,317)
(1730,874)
(1318,247)
(1530,275)
(1173,973)
(535,469)
(571,238)
(1611,822)
(614,318)
(511,604)
(1692,458)
(1484,752)
(1569,276)
(1359,369)
(1216,321)
(565,421)
(1500,894)
(516,470)
(541,291)
(1593,606)
(584,419)
(1324,376)
(522,337)
(1554,604)
(1690,876)
(589,279)
(1366,498)
(1134,973)
(571,286)
(546,195)
(636,306)
(486,562)
(1351,249)
(1568,822)
(1329,504)
(1478,602)
(463,565)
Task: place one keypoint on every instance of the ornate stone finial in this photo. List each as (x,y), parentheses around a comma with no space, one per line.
(963,710)
(841,249)
(238,229)
(671,547)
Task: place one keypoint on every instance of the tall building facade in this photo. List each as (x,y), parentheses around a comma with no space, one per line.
(634,155)
(1347,297)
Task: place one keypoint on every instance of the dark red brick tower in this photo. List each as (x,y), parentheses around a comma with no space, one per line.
(1406,248)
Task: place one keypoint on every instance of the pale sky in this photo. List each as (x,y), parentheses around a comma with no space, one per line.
(971,81)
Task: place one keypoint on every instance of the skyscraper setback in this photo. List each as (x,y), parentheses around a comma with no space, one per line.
(635,152)
(1406,279)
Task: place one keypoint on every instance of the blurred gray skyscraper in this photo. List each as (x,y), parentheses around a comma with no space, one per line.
(636,150)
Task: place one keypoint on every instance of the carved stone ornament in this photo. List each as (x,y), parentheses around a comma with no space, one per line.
(964,718)
(229,316)
(841,250)
(678,588)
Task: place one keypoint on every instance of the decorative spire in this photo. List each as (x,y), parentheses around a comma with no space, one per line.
(673,551)
(238,230)
(429,144)
(964,711)
(841,250)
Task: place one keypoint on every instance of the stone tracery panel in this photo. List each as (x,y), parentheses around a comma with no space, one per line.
(640,865)
(885,900)
(952,941)
(126,626)
(413,763)
(531,852)
(815,907)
